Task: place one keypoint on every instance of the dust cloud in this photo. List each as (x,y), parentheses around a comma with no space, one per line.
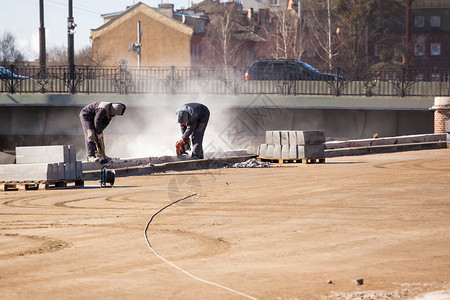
(152,131)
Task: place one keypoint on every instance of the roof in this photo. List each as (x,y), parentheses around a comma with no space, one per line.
(107,15)
(242,33)
(151,12)
(191,15)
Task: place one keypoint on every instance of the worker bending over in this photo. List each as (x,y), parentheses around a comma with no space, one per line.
(193,119)
(95,117)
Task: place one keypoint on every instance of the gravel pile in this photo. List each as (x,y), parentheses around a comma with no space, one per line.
(413,291)
(251,163)
(372,295)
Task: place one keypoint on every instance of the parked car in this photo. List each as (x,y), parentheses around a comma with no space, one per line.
(7,74)
(286,69)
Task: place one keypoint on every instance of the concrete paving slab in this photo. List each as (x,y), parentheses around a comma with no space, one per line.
(79,169)
(277,151)
(292,137)
(61,172)
(284,134)
(285,151)
(269,137)
(70,172)
(311,151)
(293,152)
(405,139)
(42,154)
(142,161)
(187,165)
(270,150)
(6,158)
(310,137)
(72,153)
(29,172)
(384,149)
(276,138)
(262,150)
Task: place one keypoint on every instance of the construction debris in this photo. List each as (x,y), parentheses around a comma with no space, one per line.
(251,163)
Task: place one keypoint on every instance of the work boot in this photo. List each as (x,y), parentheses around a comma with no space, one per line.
(105,160)
(92,159)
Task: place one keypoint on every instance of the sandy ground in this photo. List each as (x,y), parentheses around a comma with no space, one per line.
(294,231)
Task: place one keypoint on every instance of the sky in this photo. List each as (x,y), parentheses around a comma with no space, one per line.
(21,19)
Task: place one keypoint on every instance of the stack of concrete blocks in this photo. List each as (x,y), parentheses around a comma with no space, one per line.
(290,144)
(43,164)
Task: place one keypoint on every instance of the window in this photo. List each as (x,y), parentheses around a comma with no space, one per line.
(419,21)
(435,77)
(195,52)
(201,26)
(435,48)
(419,50)
(435,21)
(274,2)
(378,49)
(260,66)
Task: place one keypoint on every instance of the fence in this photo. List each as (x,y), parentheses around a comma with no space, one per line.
(175,80)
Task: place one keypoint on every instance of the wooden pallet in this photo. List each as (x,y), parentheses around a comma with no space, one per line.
(292,160)
(36,185)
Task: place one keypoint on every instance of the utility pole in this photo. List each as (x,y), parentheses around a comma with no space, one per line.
(330,53)
(300,35)
(70,45)
(42,54)
(137,47)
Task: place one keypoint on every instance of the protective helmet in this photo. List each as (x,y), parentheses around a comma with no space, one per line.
(183,116)
(117,109)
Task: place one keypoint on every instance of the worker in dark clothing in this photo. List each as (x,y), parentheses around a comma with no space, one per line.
(193,119)
(94,118)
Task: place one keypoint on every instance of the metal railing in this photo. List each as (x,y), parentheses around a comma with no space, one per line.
(182,80)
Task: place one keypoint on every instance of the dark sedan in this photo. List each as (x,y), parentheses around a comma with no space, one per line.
(286,69)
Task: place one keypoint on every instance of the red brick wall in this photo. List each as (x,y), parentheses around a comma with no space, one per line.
(440,116)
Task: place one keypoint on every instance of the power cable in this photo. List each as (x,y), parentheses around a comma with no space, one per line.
(175,266)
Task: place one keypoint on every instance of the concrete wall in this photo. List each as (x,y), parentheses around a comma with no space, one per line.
(149,124)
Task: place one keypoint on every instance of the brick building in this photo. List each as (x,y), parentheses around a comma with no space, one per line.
(169,38)
(430,33)
(165,40)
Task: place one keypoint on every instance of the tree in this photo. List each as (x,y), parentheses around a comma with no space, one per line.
(283,35)
(57,56)
(287,37)
(220,30)
(223,40)
(96,56)
(319,21)
(9,55)
(362,24)
(83,57)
